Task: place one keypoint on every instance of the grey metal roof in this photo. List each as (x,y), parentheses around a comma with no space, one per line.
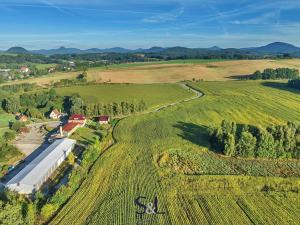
(37,170)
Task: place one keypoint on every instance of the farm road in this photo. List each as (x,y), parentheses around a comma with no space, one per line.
(185,86)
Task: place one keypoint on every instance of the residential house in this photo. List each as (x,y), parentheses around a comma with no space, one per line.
(103,119)
(55,114)
(51,70)
(24,69)
(22,118)
(77,118)
(68,129)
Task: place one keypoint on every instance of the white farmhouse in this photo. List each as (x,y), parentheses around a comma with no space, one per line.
(55,114)
(31,178)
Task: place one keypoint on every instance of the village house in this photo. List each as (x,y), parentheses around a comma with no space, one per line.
(77,118)
(72,64)
(24,69)
(51,70)
(103,119)
(68,129)
(22,118)
(55,114)
(75,121)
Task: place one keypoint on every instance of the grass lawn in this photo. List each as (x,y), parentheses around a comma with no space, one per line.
(43,66)
(154,95)
(85,136)
(5,119)
(167,155)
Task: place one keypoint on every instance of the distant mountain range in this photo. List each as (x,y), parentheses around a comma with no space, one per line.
(273,48)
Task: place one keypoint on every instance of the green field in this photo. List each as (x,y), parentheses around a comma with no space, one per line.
(154,95)
(167,155)
(5,119)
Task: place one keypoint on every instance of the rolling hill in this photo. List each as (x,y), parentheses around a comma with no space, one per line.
(178,51)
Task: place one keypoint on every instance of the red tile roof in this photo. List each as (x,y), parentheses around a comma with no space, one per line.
(103,118)
(69,127)
(77,117)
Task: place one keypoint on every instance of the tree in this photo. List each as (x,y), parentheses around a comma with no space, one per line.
(246,144)
(266,145)
(11,104)
(229,145)
(16,126)
(9,136)
(77,105)
(71,159)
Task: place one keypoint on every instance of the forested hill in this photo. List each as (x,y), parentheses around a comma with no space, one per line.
(273,49)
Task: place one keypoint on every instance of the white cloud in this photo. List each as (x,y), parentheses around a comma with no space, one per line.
(165,17)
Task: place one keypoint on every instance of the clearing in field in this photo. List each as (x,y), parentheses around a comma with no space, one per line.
(166,155)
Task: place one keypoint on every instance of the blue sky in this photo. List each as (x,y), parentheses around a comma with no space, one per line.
(36,24)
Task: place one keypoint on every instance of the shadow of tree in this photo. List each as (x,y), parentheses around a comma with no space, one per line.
(280,86)
(239,77)
(197,134)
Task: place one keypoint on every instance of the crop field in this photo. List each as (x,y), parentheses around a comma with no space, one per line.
(178,70)
(170,71)
(166,155)
(154,95)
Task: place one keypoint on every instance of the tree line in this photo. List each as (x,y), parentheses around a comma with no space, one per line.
(278,141)
(295,83)
(273,74)
(76,105)
(40,104)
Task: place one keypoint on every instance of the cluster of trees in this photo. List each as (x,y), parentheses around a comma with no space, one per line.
(14,88)
(15,209)
(75,104)
(35,105)
(295,83)
(81,79)
(7,151)
(249,141)
(273,74)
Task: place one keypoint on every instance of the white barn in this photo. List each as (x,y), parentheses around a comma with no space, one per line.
(32,177)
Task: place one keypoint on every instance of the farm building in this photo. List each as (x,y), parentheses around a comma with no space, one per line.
(103,119)
(24,69)
(55,114)
(77,118)
(69,129)
(32,177)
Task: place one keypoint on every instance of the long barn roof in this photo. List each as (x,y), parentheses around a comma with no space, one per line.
(36,170)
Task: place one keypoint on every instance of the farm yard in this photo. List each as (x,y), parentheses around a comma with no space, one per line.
(167,155)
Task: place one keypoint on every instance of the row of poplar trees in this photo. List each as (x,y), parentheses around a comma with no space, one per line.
(250,141)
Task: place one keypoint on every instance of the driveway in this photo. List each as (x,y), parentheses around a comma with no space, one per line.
(29,142)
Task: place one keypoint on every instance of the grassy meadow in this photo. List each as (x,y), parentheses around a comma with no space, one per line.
(154,95)
(5,119)
(166,154)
